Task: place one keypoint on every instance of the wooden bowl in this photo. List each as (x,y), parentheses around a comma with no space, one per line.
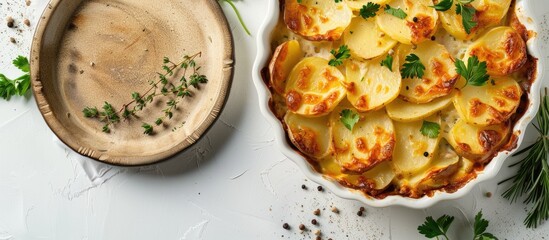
(86,52)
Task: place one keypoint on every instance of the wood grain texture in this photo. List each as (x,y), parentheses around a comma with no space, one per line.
(90,51)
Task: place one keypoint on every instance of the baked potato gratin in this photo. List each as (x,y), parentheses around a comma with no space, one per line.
(400,97)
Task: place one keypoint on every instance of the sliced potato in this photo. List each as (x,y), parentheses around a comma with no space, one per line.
(403,111)
(285,57)
(488,13)
(356,5)
(407,30)
(413,151)
(502,49)
(314,87)
(371,141)
(371,86)
(366,40)
(464,172)
(493,103)
(444,165)
(476,142)
(311,136)
(372,181)
(317,20)
(440,73)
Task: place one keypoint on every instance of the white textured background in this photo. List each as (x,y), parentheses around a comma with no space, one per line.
(234,184)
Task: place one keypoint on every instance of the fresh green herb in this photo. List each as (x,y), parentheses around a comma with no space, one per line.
(166,85)
(463,8)
(430,129)
(341,54)
(388,62)
(18,86)
(148,129)
(443,5)
(231,3)
(532,178)
(467,15)
(338,1)
(413,67)
(397,12)
(439,228)
(480,227)
(349,118)
(299,1)
(369,10)
(475,72)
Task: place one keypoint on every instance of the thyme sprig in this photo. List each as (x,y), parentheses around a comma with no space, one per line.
(532,178)
(165,86)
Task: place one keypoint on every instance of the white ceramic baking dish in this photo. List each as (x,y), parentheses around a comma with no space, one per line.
(491,170)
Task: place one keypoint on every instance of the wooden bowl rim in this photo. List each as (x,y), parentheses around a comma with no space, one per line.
(64,136)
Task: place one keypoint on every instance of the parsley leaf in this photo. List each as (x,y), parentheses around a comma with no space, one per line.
(413,67)
(467,15)
(22,63)
(349,118)
(475,72)
(388,62)
(369,10)
(18,86)
(480,227)
(299,1)
(341,54)
(397,12)
(338,1)
(443,5)
(430,129)
(432,228)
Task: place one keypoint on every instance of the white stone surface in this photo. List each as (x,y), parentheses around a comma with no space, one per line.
(233,185)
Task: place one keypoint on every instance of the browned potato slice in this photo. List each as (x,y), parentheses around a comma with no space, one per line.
(370,143)
(310,135)
(372,181)
(440,73)
(475,142)
(285,57)
(418,26)
(443,166)
(314,87)
(371,86)
(317,20)
(493,103)
(502,49)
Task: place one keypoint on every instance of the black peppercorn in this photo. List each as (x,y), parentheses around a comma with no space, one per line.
(286,226)
(319,188)
(303,187)
(314,222)
(426,154)
(415,19)
(359,213)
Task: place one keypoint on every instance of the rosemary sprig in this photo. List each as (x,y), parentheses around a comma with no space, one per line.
(165,86)
(532,178)
(231,3)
